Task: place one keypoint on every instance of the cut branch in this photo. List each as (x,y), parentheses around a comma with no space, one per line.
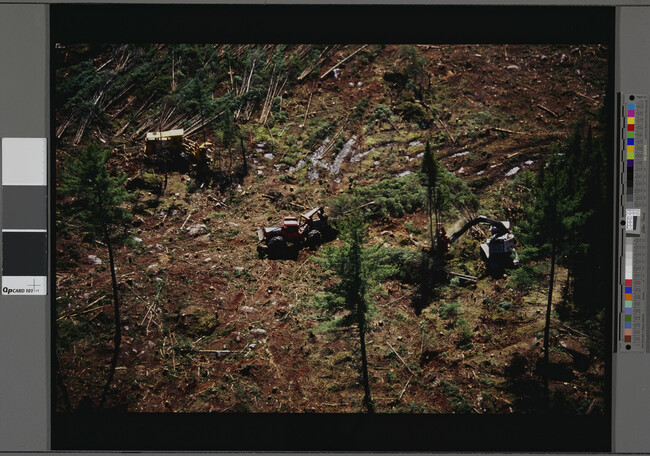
(304,121)
(186,219)
(505,130)
(400,358)
(544,108)
(404,389)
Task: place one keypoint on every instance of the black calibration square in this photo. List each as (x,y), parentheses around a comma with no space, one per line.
(24,253)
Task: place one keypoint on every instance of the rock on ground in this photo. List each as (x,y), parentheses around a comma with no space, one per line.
(196,230)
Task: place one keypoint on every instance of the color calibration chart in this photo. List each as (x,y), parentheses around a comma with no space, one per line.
(634,131)
(24,216)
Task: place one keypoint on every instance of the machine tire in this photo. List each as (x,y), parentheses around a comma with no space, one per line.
(277,246)
(314,239)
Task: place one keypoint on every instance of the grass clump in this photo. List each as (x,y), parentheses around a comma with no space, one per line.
(458,401)
(319,134)
(505,305)
(449,310)
(465,335)
(411,228)
(527,277)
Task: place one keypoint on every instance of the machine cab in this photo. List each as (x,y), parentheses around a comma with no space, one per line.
(290,228)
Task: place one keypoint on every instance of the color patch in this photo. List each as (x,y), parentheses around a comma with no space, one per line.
(630,127)
(24,161)
(630,163)
(630,134)
(24,207)
(628,289)
(24,253)
(630,120)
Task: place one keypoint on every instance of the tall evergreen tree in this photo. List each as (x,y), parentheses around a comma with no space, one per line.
(568,221)
(590,262)
(430,170)
(352,264)
(583,198)
(98,200)
(545,218)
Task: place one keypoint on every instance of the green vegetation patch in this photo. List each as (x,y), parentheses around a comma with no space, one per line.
(449,310)
(458,401)
(388,197)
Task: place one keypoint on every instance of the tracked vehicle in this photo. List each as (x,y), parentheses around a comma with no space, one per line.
(498,252)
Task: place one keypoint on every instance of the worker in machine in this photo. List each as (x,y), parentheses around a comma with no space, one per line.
(442,239)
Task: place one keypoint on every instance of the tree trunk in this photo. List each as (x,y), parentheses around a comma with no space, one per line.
(165,173)
(367,399)
(118,328)
(547,327)
(173,73)
(430,213)
(202,119)
(243,155)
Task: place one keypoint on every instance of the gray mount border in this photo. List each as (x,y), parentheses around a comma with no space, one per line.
(25,321)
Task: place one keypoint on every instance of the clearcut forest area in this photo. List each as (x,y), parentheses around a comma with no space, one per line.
(406,293)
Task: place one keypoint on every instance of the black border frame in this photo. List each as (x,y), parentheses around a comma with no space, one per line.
(324,24)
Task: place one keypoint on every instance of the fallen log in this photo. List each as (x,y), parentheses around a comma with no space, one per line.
(323,55)
(342,61)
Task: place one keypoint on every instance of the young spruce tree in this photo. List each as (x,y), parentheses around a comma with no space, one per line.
(546,218)
(430,171)
(352,264)
(97,206)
